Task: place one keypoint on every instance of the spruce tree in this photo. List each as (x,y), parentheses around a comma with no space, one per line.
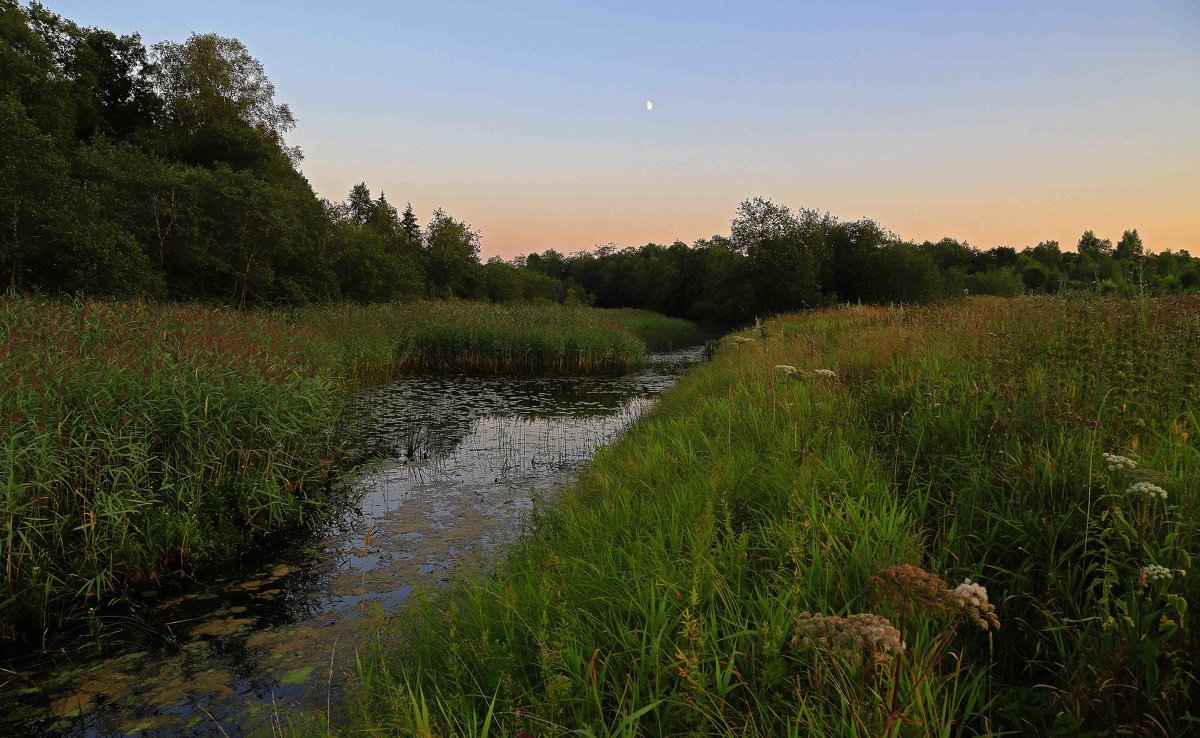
(409,224)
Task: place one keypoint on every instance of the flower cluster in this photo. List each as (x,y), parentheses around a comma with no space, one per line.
(1148,490)
(858,637)
(908,589)
(973,599)
(787,369)
(1155,573)
(1115,462)
(825,373)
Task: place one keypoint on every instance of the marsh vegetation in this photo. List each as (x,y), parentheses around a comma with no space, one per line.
(735,564)
(143,441)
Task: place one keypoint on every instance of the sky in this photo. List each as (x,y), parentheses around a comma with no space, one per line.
(994,123)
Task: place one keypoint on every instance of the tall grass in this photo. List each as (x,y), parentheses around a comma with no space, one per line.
(138,442)
(661,594)
(658,332)
(473,337)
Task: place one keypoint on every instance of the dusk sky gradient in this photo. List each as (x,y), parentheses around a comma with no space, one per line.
(993,123)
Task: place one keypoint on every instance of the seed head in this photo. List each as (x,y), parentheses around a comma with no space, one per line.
(863,637)
(908,589)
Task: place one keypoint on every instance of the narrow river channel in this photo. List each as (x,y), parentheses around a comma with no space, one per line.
(460,462)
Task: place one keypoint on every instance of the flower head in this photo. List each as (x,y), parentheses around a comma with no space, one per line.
(973,599)
(825,373)
(1149,490)
(1115,462)
(862,637)
(907,589)
(787,369)
(1154,573)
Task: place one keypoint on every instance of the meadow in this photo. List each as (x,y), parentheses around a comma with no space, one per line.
(973,518)
(140,442)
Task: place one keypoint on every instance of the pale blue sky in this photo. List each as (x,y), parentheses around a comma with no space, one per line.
(992,123)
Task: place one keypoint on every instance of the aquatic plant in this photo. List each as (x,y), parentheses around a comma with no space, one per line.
(380,341)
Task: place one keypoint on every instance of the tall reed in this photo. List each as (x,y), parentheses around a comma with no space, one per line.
(139,442)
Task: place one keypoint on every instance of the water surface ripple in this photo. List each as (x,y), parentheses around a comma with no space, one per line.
(457,464)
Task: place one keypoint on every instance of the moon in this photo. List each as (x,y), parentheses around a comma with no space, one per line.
(649,105)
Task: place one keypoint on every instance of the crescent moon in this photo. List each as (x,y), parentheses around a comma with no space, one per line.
(649,105)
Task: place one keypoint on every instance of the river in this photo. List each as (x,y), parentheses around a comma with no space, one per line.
(457,463)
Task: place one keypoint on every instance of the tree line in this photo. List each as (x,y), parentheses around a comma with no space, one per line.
(777,259)
(163,172)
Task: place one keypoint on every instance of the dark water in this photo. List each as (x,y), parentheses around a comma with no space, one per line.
(458,464)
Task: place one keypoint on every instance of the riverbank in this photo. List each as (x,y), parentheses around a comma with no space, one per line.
(142,442)
(948,520)
(463,459)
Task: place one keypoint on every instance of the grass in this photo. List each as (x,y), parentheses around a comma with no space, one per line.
(662,594)
(473,337)
(659,332)
(139,442)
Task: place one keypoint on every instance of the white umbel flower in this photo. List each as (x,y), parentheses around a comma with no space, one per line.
(1115,462)
(1155,573)
(1148,490)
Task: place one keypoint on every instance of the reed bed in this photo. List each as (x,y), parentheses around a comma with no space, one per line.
(140,442)
(819,532)
(137,440)
(658,332)
(480,338)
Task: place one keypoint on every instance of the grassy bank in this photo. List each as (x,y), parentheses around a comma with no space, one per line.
(658,332)
(723,568)
(140,441)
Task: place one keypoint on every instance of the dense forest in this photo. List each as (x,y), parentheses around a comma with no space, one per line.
(777,259)
(164,173)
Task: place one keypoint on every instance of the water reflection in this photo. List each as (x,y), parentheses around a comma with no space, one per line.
(457,463)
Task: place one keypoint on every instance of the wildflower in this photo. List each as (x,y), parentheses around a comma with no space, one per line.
(1115,462)
(910,588)
(1148,490)
(973,599)
(825,373)
(1154,573)
(787,369)
(857,637)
